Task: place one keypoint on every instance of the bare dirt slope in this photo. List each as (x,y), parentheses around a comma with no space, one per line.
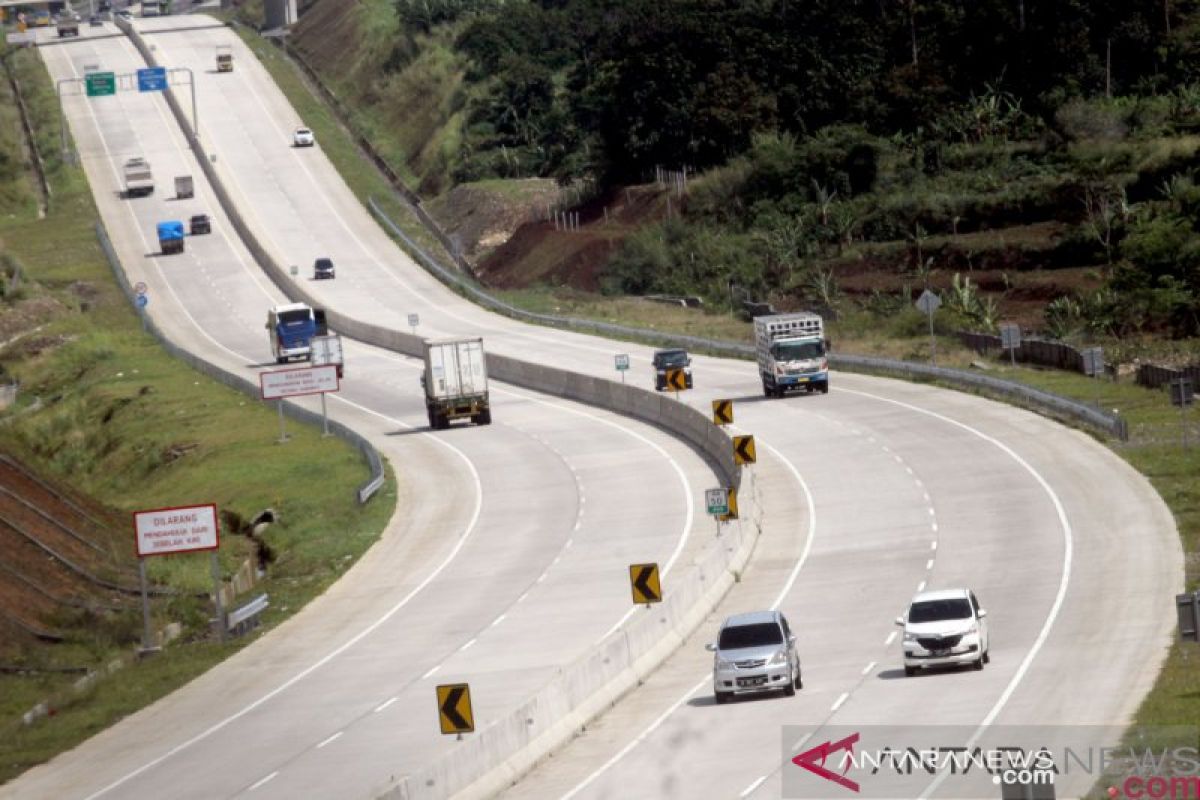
(65,561)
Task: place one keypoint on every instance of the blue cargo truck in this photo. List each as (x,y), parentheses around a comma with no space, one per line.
(170,237)
(291,327)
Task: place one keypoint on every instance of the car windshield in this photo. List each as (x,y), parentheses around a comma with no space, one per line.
(303,132)
(761,634)
(672,358)
(324,263)
(938,610)
(797,351)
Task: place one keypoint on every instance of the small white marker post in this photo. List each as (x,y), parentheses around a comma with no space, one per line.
(413,321)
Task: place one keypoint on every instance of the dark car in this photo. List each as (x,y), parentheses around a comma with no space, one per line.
(675,358)
(323,268)
(199,223)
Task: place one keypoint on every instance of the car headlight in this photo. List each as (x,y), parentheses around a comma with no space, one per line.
(778,660)
(723,664)
(910,638)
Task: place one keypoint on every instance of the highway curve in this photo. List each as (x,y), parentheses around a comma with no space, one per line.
(869,493)
(506,559)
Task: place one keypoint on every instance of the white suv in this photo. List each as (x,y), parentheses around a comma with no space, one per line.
(944,628)
(755,652)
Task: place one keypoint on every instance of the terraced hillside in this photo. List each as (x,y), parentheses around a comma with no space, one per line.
(65,561)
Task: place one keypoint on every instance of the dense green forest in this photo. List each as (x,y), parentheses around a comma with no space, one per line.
(818,128)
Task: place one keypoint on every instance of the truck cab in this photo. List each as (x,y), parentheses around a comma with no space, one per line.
(170,237)
(291,327)
(790,350)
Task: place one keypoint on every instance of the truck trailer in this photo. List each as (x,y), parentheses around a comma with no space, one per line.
(291,327)
(455,381)
(68,24)
(790,349)
(138,178)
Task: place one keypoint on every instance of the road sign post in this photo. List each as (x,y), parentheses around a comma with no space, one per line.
(297,382)
(676,380)
(152,79)
(731,505)
(743,450)
(100,84)
(645,584)
(141,301)
(717,501)
(178,529)
(454,709)
(928,303)
(621,362)
(722,411)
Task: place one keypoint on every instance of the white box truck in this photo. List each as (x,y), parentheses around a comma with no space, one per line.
(455,381)
(138,178)
(790,349)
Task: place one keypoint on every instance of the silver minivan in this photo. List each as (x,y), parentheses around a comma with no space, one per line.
(755,652)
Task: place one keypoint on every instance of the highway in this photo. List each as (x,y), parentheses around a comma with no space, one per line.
(497,529)
(869,493)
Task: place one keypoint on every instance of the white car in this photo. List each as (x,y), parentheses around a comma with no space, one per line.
(303,137)
(944,628)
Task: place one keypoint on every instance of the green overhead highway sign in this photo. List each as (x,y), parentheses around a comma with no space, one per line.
(100,83)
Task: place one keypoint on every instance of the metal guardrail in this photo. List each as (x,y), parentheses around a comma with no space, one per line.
(303,415)
(1046,402)
(246,616)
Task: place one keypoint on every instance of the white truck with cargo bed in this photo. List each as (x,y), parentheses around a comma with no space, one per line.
(790,349)
(455,381)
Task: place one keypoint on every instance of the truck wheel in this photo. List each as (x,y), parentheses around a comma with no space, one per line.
(767,390)
(825,387)
(485,417)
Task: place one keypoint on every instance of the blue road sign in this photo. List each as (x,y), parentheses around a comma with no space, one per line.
(141,300)
(152,79)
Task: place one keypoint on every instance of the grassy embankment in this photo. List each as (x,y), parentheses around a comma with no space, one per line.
(104,409)
(1154,450)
